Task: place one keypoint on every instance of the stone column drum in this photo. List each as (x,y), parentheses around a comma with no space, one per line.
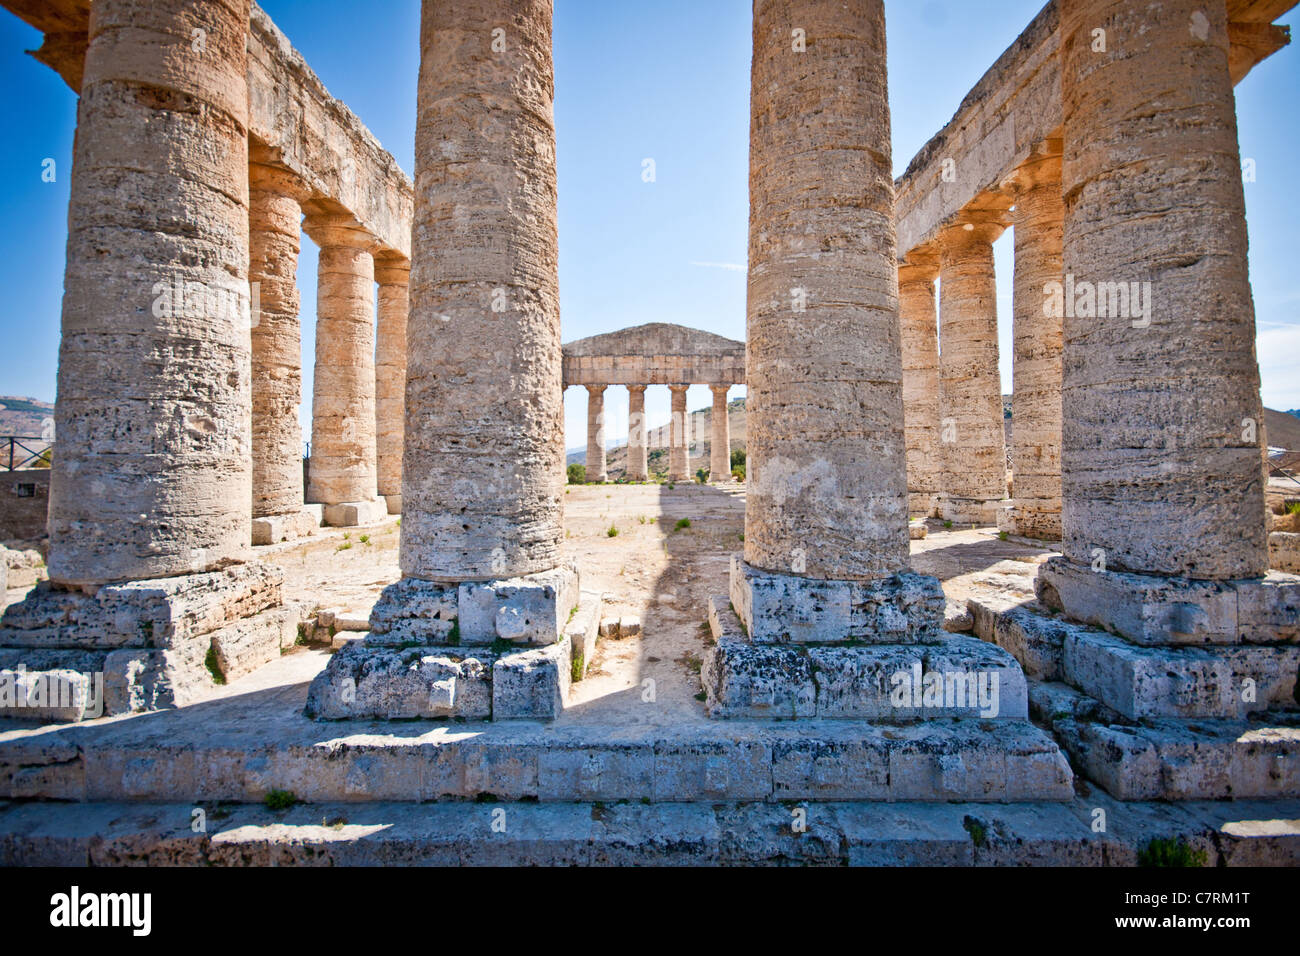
(342,473)
(152,481)
(679,454)
(153,473)
(918,319)
(638,468)
(971,432)
(720,444)
(596,470)
(274,235)
(482,475)
(393,276)
(1035,509)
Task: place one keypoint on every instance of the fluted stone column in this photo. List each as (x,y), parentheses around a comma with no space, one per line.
(1035,509)
(153,471)
(274,234)
(393,276)
(679,462)
(342,474)
(720,445)
(918,318)
(596,470)
(1161,466)
(638,466)
(971,432)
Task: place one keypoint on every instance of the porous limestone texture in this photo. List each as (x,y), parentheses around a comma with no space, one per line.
(1284,551)
(153,474)
(972,438)
(638,462)
(678,448)
(720,443)
(482,481)
(596,469)
(393,276)
(343,384)
(1039,214)
(918,317)
(1161,455)
(827,473)
(275,228)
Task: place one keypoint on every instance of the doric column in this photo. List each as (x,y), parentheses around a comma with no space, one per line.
(971,430)
(393,276)
(638,468)
(918,319)
(1035,509)
(153,471)
(342,468)
(1161,439)
(596,472)
(274,237)
(678,451)
(720,446)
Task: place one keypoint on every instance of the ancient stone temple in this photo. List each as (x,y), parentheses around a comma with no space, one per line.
(731,655)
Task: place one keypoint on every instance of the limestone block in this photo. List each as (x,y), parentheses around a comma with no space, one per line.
(688,770)
(141,680)
(355,514)
(532,685)
(916,531)
(1284,550)
(566,773)
(273,529)
(4,570)
(524,610)
(55,694)
(246,645)
(414,612)
(1033,638)
(1268,608)
(609,627)
(583,632)
(629,625)
(395,684)
(750,680)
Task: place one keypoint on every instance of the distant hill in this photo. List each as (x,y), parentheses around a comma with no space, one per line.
(23,416)
(700,427)
(1282,429)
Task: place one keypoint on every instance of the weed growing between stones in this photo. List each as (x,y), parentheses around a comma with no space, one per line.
(1171,853)
(279,800)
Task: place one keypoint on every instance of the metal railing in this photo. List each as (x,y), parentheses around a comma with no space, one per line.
(22,454)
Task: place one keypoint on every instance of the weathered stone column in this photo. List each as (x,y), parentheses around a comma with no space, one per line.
(342,474)
(274,236)
(596,471)
(153,473)
(971,432)
(638,467)
(720,444)
(1035,509)
(918,319)
(679,455)
(152,481)
(1161,463)
(482,475)
(393,276)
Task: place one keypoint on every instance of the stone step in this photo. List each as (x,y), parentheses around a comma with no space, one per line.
(1239,833)
(178,757)
(583,631)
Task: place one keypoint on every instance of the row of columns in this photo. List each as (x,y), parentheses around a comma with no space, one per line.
(638,468)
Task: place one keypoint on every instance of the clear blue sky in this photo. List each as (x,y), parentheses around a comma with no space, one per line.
(667,81)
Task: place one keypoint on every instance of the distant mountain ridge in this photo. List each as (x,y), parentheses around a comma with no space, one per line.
(24,416)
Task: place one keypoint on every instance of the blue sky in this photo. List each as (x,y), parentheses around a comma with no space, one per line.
(667,81)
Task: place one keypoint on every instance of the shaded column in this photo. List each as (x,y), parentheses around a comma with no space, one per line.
(638,467)
(720,445)
(918,319)
(393,276)
(971,430)
(482,488)
(678,452)
(827,495)
(596,470)
(1035,509)
(1161,465)
(153,471)
(274,236)
(342,468)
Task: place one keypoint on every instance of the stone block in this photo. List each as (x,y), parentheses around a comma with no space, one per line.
(394,684)
(528,610)
(583,632)
(51,695)
(246,645)
(916,531)
(1268,608)
(533,684)
(394,503)
(1027,632)
(751,680)
(786,609)
(274,529)
(629,626)
(414,612)
(353,514)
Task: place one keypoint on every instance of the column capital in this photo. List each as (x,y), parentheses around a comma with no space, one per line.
(636,388)
(720,390)
(1041,169)
(334,230)
(675,389)
(268,177)
(596,390)
(981,229)
(393,271)
(918,272)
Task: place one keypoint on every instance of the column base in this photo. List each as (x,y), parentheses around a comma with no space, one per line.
(1024,520)
(140,645)
(974,511)
(394,503)
(1154,610)
(475,650)
(273,529)
(352,514)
